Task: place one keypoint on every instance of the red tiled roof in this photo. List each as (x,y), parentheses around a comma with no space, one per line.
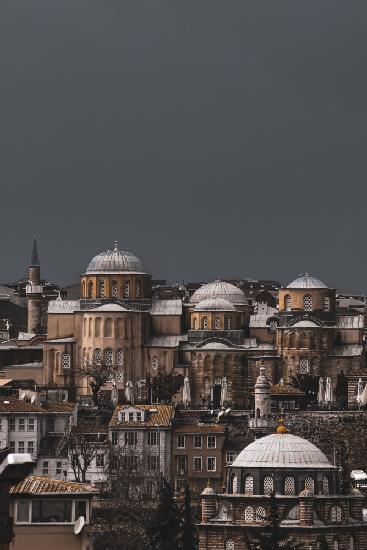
(37,485)
(59,407)
(286,389)
(162,416)
(10,405)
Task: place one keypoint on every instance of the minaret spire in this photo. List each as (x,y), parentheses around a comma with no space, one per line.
(35,261)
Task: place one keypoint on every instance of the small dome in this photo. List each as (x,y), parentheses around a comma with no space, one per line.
(281,451)
(215,345)
(109,307)
(214,304)
(306,324)
(306,281)
(115,261)
(219,289)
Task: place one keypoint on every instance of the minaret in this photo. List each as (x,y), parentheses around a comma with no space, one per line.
(262,423)
(34,292)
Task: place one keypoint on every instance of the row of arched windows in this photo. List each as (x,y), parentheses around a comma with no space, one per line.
(107,356)
(101,289)
(289,485)
(205,323)
(108,328)
(257,514)
(307,303)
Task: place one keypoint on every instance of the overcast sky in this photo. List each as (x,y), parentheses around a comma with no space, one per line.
(211,138)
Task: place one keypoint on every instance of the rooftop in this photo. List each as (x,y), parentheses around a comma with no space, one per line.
(157,415)
(115,261)
(219,289)
(38,485)
(306,281)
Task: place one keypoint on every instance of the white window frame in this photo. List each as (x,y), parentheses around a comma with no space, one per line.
(183,439)
(23,424)
(30,424)
(199,458)
(201,441)
(215,442)
(215,464)
(29,522)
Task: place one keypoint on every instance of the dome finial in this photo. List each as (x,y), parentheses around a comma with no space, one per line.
(115,245)
(281,429)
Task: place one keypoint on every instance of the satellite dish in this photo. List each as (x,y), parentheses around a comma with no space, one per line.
(22,396)
(78,525)
(33,398)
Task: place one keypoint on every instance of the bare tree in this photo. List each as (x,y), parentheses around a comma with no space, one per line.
(97,373)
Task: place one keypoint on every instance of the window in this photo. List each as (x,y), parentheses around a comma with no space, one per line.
(152,438)
(310,484)
(336,514)
(58,468)
(268,485)
(288,302)
(100,289)
(307,302)
(23,509)
(289,486)
(108,327)
(273,324)
(66,360)
(181,464)
(114,289)
(21,424)
(126,290)
(122,417)
(153,462)
(90,289)
(325,485)
(197,441)
(130,462)
(326,303)
(30,447)
(231,457)
(12,424)
(249,485)
(217,323)
(137,290)
(99,460)
(195,323)
(131,438)
(212,464)
(229,544)
(21,446)
(205,323)
(108,357)
(249,514)
(114,438)
(97,356)
(211,442)
(138,416)
(180,442)
(12,446)
(180,485)
(50,424)
(155,363)
(131,417)
(229,323)
(303,365)
(30,424)
(234,484)
(120,358)
(80,509)
(260,514)
(45,468)
(51,511)
(198,464)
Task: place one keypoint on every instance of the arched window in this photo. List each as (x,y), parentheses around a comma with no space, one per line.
(217,323)
(249,514)
(326,303)
(127,290)
(304,366)
(234,484)
(137,290)
(287,302)
(108,357)
(120,357)
(108,327)
(229,323)
(90,289)
(325,485)
(100,289)
(273,324)
(83,290)
(229,545)
(249,485)
(119,327)
(97,356)
(97,326)
(336,514)
(307,302)
(66,360)
(205,323)
(268,485)
(310,484)
(114,289)
(289,486)
(292,340)
(260,514)
(195,323)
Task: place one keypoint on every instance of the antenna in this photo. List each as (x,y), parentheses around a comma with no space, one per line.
(78,525)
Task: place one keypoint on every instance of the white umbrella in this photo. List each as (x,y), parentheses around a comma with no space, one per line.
(329,391)
(186,396)
(114,393)
(359,390)
(363,400)
(224,392)
(321,394)
(129,391)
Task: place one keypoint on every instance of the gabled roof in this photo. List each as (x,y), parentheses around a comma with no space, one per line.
(166,307)
(157,415)
(38,485)
(63,306)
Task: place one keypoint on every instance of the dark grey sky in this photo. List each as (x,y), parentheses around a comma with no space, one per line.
(210,137)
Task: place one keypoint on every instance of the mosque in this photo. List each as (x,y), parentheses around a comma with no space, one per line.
(215,337)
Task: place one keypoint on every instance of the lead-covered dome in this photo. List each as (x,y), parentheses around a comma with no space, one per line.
(221,290)
(306,281)
(281,450)
(115,261)
(214,304)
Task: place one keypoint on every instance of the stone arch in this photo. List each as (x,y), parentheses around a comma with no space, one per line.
(119,327)
(97,326)
(108,327)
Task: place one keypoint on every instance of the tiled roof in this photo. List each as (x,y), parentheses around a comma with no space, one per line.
(166,341)
(161,417)
(286,389)
(10,405)
(166,307)
(38,485)
(59,407)
(200,429)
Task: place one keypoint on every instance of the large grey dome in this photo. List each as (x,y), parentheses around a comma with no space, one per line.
(281,450)
(115,261)
(214,304)
(219,289)
(306,281)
